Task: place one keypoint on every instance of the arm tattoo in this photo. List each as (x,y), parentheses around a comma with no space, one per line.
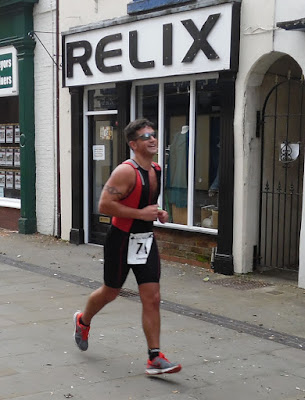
(112,190)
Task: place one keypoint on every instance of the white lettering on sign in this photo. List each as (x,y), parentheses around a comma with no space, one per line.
(5,64)
(5,80)
(8,71)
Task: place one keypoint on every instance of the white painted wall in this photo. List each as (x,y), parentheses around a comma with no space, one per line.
(289,10)
(256,39)
(45,117)
(261,43)
(76,13)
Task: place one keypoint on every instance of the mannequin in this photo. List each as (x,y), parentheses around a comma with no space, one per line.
(177,175)
(184,129)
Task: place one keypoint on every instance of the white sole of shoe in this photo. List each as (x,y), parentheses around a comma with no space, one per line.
(170,370)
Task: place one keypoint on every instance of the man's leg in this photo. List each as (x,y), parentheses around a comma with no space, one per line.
(150,298)
(157,363)
(97,300)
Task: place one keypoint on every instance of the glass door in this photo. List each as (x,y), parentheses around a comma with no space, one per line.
(103,158)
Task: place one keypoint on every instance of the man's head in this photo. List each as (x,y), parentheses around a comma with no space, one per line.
(131,129)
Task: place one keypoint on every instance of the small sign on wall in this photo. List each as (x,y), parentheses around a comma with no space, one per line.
(98,152)
(8,72)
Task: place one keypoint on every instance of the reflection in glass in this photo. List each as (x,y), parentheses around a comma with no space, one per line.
(102,99)
(176,119)
(207,139)
(104,154)
(147,103)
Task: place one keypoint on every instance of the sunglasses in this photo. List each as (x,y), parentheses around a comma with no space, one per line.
(147,136)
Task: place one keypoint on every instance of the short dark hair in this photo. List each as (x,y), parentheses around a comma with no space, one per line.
(131,129)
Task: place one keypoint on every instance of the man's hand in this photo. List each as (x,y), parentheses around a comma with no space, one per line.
(149,213)
(162,216)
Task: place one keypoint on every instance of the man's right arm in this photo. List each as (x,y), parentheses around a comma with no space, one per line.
(118,186)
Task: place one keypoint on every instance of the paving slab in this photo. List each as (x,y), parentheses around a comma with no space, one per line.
(223,347)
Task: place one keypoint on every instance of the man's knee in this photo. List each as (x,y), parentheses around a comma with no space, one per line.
(151,300)
(106,293)
(111,293)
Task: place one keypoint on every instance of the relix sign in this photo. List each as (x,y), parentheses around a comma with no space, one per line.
(8,72)
(189,42)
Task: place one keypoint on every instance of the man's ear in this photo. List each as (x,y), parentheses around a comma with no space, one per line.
(132,144)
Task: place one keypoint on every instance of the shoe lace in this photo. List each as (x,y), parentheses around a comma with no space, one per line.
(161,355)
(85,331)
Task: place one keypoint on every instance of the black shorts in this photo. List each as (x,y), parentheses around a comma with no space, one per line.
(116,268)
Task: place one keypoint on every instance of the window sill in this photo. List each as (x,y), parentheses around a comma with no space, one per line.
(186,228)
(10,203)
(148,5)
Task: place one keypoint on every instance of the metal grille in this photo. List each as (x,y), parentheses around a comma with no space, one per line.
(282,161)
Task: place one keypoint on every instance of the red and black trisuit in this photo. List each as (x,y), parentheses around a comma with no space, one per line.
(117,242)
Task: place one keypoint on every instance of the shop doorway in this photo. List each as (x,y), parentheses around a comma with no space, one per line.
(281,182)
(103,158)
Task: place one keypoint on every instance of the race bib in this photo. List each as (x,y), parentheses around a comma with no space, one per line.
(139,247)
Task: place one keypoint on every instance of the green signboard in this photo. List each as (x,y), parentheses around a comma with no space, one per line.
(6,71)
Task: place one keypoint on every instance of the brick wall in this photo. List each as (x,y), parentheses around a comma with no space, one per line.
(9,218)
(185,247)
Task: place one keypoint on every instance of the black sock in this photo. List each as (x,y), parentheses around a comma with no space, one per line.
(82,323)
(153,353)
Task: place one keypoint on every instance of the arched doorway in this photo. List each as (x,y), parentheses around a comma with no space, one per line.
(282,158)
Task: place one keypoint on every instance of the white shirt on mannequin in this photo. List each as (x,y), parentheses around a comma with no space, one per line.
(184,129)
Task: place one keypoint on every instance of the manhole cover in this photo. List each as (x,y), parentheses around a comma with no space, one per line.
(240,283)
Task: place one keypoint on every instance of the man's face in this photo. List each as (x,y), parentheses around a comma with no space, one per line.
(146,141)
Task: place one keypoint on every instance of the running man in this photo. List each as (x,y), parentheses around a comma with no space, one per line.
(130,197)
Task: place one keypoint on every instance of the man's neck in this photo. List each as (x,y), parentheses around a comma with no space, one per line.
(145,163)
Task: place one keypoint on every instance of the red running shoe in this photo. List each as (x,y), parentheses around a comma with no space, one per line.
(161,365)
(81,332)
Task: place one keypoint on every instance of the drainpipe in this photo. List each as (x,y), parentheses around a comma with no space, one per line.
(58,234)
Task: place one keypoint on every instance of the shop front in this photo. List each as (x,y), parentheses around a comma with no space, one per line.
(17,150)
(177,69)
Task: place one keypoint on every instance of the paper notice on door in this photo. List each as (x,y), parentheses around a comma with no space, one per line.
(98,152)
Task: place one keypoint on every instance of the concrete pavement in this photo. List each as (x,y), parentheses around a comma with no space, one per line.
(235,337)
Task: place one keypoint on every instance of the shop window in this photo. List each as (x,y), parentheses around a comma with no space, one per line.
(150,5)
(176,139)
(206,157)
(188,147)
(102,99)
(9,148)
(147,102)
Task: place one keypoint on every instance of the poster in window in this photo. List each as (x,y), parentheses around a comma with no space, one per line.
(16,157)
(98,152)
(9,157)
(17,180)
(17,134)
(2,133)
(9,181)
(106,132)
(2,157)
(9,133)
(2,178)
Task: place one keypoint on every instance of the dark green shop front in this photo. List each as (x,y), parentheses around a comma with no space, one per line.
(17,126)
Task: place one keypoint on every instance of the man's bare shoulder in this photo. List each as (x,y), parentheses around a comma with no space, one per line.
(123,176)
(121,181)
(123,171)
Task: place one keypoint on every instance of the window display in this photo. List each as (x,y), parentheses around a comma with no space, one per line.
(10,161)
(189,144)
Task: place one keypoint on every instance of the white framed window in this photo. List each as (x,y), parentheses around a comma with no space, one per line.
(186,114)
